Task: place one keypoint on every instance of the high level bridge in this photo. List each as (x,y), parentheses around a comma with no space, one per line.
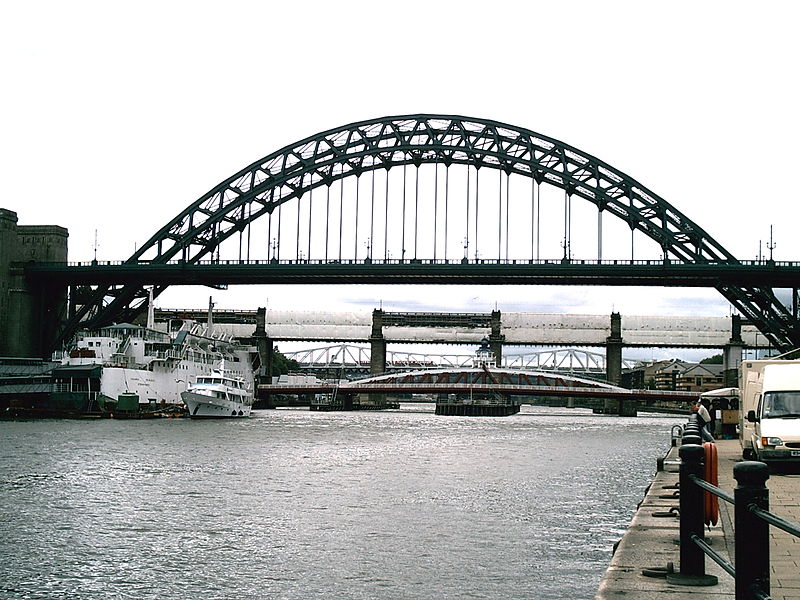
(411,199)
(503,331)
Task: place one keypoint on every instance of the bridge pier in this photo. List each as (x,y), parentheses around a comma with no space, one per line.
(377,345)
(377,355)
(614,362)
(266,352)
(30,315)
(265,345)
(614,350)
(732,354)
(496,338)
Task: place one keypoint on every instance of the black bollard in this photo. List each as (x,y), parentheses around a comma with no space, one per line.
(691,428)
(691,425)
(692,558)
(752,533)
(691,438)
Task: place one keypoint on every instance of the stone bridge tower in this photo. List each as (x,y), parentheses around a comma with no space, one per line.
(29,318)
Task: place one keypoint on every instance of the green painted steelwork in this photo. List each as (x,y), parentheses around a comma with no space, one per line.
(352,150)
(486,272)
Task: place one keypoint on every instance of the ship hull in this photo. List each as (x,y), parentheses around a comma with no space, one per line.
(201,406)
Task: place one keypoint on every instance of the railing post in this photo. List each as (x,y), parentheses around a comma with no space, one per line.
(690,438)
(752,533)
(692,558)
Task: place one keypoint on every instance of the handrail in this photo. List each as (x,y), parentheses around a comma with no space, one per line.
(717,491)
(715,556)
(751,521)
(775,520)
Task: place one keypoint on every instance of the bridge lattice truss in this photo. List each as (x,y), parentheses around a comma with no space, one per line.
(262,190)
(351,356)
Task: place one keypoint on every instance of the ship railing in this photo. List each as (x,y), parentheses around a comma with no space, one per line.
(119,359)
(752,521)
(78,388)
(167,355)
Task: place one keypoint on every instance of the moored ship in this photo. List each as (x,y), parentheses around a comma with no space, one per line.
(218,395)
(142,368)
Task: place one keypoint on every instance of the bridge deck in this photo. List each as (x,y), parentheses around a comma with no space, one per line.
(464,388)
(424,271)
(518,328)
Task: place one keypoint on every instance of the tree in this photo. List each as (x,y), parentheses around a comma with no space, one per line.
(282,365)
(712,360)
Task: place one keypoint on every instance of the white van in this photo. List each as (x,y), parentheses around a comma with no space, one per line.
(771,410)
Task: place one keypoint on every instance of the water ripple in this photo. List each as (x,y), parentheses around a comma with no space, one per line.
(292,504)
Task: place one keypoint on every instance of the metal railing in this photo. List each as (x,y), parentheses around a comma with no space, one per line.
(752,520)
(430,261)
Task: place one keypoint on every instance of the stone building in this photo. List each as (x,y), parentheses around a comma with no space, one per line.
(700,378)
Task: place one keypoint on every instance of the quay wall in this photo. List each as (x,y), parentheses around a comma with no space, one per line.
(649,544)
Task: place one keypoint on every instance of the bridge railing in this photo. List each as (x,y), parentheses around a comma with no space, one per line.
(752,520)
(429,261)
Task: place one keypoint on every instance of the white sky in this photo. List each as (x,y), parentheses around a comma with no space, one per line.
(116,116)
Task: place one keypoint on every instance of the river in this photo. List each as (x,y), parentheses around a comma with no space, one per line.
(293,504)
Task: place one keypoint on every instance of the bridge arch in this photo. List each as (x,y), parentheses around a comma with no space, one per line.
(262,188)
(521,379)
(353,150)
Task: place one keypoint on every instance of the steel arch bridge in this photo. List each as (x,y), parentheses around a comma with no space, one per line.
(260,191)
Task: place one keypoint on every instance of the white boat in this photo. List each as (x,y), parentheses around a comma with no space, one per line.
(218,395)
(156,366)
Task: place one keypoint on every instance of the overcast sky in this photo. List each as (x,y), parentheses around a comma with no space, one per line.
(116,116)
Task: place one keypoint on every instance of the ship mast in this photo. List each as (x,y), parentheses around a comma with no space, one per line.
(151,311)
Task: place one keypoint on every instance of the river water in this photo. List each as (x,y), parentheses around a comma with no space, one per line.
(292,504)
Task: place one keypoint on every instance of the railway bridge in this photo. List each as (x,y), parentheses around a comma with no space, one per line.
(503,330)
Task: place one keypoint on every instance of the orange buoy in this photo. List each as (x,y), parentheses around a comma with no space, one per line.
(710,501)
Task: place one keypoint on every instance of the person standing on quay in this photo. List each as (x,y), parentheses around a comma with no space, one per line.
(705,421)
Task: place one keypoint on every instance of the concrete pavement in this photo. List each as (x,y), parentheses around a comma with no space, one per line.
(650,542)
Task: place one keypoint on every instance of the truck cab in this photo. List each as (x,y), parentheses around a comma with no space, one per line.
(774,420)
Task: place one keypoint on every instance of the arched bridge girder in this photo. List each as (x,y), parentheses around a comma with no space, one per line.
(497,377)
(355,356)
(763,309)
(415,140)
(352,150)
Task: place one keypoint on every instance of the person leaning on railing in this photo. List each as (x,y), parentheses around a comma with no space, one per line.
(705,420)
